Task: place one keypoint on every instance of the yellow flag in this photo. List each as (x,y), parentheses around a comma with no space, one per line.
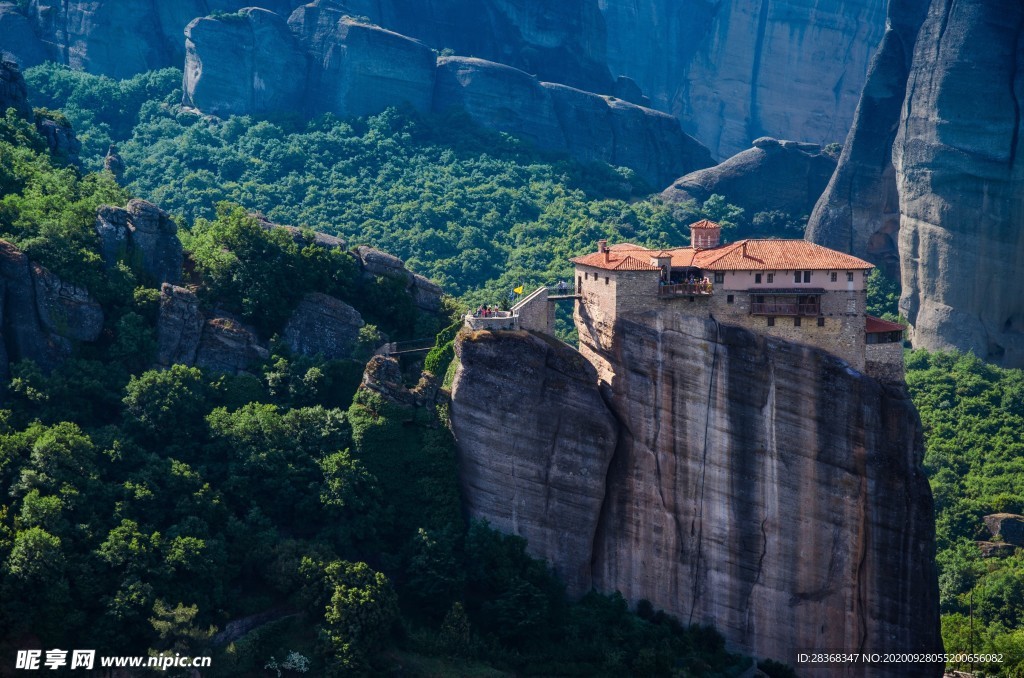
(518,290)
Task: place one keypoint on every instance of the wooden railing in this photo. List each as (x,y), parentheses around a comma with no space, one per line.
(781,308)
(685,289)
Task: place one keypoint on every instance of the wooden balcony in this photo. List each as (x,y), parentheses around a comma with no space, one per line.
(784,308)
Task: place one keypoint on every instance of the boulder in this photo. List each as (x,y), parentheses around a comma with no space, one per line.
(375,262)
(383,375)
(228,345)
(179,326)
(66,310)
(13,93)
(1007,526)
(113,163)
(154,239)
(247,63)
(357,68)
(60,139)
(773,175)
(426,294)
(499,97)
(324,326)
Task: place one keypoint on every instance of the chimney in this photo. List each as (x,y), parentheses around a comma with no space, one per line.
(602,246)
(705,235)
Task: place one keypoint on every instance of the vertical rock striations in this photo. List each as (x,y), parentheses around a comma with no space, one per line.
(859,212)
(931,176)
(767,489)
(735,71)
(756,485)
(534,441)
(960,176)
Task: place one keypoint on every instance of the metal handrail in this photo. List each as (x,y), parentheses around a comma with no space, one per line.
(686,289)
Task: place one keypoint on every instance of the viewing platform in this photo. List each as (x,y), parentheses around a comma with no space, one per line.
(704,289)
(498,320)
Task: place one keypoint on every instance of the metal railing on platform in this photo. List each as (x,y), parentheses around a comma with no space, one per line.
(686,289)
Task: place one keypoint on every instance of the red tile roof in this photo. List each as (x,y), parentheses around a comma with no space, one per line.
(875,325)
(618,261)
(776,255)
(704,223)
(769,254)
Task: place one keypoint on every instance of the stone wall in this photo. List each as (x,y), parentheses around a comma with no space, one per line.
(884,362)
(536,313)
(492,323)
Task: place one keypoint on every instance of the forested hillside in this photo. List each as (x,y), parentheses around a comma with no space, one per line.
(277,485)
(470,209)
(171,511)
(973,415)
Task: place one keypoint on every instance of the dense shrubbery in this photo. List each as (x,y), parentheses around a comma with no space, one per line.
(100,109)
(973,416)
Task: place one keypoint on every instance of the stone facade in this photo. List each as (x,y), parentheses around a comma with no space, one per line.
(884,362)
(839,328)
(535,312)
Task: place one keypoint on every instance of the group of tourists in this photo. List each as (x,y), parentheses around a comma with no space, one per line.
(485,311)
(696,284)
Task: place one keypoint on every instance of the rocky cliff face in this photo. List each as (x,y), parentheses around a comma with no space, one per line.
(928,190)
(538,399)
(140,233)
(756,485)
(773,175)
(736,71)
(13,93)
(41,316)
(859,212)
(562,42)
(960,179)
(325,61)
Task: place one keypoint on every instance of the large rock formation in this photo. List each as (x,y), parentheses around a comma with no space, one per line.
(563,42)
(922,183)
(756,485)
(730,71)
(42,317)
(360,69)
(242,63)
(141,234)
(773,175)
(538,399)
(18,38)
(735,71)
(13,93)
(329,62)
(325,326)
(960,179)
(108,37)
(859,212)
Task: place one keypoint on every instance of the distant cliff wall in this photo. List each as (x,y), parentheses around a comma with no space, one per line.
(322,60)
(736,71)
(755,485)
(929,184)
(731,71)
